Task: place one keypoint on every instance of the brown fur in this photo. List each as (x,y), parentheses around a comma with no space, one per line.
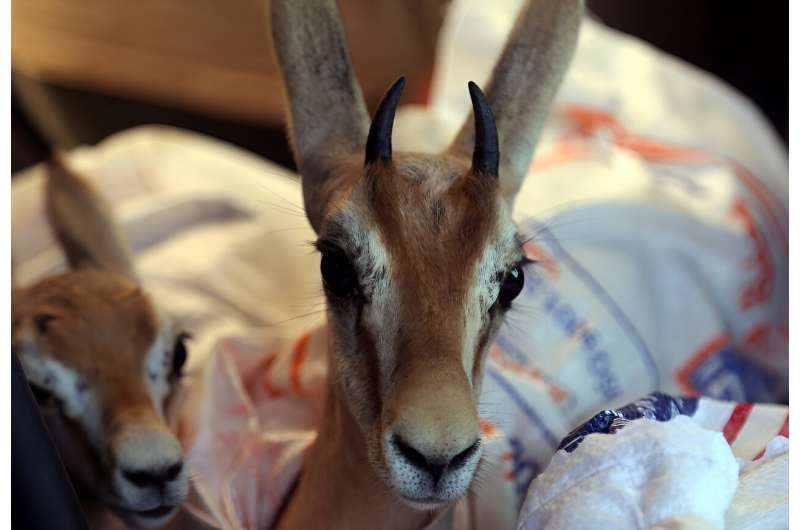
(98,323)
(102,324)
(433,268)
(337,489)
(97,314)
(436,218)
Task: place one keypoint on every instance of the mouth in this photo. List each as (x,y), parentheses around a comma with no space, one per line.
(148,518)
(423,503)
(156,513)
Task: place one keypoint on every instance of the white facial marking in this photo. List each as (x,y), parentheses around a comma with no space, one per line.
(484,290)
(158,366)
(373,261)
(77,401)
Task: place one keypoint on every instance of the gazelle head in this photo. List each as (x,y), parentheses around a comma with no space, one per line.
(420,261)
(420,257)
(102,362)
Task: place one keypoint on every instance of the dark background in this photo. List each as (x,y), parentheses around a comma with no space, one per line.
(745,43)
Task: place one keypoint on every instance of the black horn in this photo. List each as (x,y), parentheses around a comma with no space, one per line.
(486,153)
(379,141)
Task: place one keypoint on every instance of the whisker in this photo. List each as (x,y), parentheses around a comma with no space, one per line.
(281,208)
(305,315)
(287,229)
(550,226)
(292,204)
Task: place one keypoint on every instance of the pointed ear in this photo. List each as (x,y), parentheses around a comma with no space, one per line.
(524,83)
(83,224)
(328,119)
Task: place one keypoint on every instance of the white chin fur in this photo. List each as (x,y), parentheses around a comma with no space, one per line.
(416,488)
(425,506)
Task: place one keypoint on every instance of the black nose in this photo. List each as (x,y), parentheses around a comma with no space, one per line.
(153,477)
(436,466)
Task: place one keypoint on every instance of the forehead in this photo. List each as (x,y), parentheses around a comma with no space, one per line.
(95,315)
(422,204)
(432,226)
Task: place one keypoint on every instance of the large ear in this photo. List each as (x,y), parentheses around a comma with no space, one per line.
(524,83)
(83,224)
(328,119)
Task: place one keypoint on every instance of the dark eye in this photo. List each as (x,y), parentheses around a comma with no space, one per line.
(512,286)
(44,398)
(179,355)
(338,274)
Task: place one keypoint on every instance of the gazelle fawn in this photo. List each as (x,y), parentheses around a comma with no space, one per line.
(103,362)
(420,261)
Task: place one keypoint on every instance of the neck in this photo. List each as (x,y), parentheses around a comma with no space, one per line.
(338,488)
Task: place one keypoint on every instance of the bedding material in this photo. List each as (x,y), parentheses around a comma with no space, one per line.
(655,211)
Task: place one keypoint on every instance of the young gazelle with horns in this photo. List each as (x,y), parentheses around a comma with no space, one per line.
(420,263)
(103,363)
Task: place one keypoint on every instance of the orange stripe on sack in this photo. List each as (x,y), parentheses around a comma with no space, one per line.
(556,393)
(757,338)
(496,354)
(655,151)
(566,150)
(766,198)
(735,423)
(785,429)
(705,351)
(298,358)
(266,384)
(759,290)
(587,120)
(486,427)
(783,432)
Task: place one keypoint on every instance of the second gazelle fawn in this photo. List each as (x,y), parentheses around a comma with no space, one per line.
(103,363)
(420,261)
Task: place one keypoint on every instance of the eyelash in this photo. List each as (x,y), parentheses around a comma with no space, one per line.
(521,263)
(526,261)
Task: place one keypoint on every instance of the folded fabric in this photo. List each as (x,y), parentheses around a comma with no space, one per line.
(650,473)
(642,220)
(666,462)
(762,498)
